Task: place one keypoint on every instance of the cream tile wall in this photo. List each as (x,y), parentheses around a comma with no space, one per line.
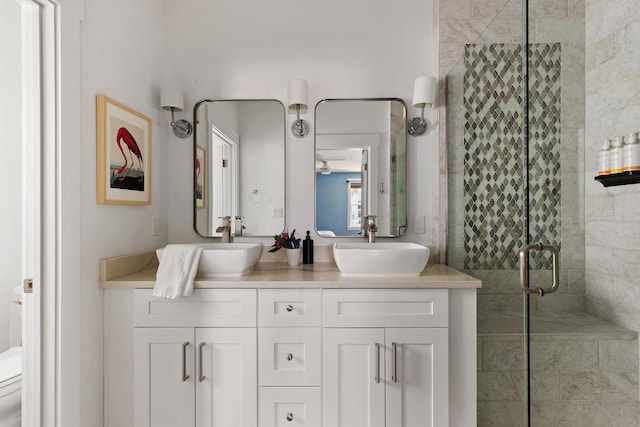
(612,216)
(551,21)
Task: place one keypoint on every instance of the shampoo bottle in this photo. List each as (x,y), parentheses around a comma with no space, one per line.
(307,249)
(631,153)
(604,165)
(616,159)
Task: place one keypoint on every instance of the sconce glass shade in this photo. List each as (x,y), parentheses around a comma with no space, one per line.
(424,95)
(325,169)
(171,99)
(171,96)
(297,99)
(297,93)
(424,91)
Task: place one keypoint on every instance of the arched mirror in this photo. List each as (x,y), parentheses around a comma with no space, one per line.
(239,166)
(361,158)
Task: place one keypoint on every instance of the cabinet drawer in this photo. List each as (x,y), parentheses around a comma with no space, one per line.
(290,356)
(386,307)
(290,307)
(205,307)
(290,407)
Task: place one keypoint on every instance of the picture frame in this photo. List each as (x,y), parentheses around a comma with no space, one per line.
(200,190)
(123,154)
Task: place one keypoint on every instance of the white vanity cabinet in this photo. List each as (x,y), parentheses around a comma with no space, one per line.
(195,374)
(290,357)
(303,355)
(393,374)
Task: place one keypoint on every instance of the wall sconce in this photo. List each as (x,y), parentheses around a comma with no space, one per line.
(297,99)
(424,95)
(171,99)
(325,169)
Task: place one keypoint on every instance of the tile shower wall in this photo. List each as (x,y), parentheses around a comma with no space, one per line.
(612,215)
(559,26)
(493,153)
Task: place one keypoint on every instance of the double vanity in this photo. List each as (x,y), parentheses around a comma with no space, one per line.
(364,337)
(290,346)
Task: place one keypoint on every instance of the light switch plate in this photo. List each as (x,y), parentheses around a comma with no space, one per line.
(155,226)
(418,224)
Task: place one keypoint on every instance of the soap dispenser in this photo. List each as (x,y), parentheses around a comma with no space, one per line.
(307,249)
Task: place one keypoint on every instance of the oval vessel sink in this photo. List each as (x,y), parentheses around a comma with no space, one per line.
(226,259)
(380,259)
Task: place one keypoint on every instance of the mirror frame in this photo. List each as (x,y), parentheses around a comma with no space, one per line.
(195,145)
(402,229)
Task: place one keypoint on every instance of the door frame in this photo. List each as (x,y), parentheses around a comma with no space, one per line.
(42,204)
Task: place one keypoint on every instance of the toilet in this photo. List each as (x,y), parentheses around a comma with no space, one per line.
(11,387)
(11,368)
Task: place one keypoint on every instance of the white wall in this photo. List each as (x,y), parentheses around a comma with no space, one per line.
(344,50)
(260,167)
(122,56)
(216,49)
(11,170)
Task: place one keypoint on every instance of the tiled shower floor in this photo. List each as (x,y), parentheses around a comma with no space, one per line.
(584,371)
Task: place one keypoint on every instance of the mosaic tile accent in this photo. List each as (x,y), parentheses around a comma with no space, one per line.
(493,153)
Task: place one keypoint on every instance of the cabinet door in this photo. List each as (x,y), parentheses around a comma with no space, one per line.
(226,377)
(164,377)
(353,377)
(417,377)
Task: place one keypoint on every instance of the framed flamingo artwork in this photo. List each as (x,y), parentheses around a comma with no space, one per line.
(123,154)
(200,178)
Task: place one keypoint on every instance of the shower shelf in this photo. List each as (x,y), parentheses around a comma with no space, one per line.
(622,178)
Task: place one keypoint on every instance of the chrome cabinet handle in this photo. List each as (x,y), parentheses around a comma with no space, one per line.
(394,362)
(289,416)
(289,356)
(377,377)
(289,308)
(524,267)
(185,377)
(201,377)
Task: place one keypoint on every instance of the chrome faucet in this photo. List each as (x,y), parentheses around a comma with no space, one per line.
(239,226)
(225,229)
(370,227)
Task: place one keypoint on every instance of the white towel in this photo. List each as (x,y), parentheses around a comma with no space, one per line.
(176,271)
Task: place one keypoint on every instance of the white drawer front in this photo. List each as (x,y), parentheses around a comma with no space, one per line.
(290,307)
(386,307)
(290,407)
(205,307)
(290,356)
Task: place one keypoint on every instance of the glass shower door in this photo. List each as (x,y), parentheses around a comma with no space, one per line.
(516,177)
(581,370)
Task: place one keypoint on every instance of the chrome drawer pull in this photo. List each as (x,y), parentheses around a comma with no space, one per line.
(289,416)
(185,377)
(394,362)
(377,377)
(289,356)
(202,377)
(289,308)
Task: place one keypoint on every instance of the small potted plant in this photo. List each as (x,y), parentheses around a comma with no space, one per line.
(290,243)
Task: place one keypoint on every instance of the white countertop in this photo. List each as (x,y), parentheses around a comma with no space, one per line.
(139,271)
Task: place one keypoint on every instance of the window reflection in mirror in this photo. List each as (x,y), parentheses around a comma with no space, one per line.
(239,166)
(360,156)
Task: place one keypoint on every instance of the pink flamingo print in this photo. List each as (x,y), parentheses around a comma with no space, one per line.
(132,146)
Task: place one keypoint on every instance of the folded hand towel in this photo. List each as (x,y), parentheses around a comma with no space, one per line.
(176,271)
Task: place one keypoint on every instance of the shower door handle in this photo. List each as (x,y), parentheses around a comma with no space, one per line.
(524,267)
